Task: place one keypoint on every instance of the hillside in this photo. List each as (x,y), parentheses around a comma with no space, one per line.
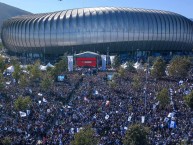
(7,11)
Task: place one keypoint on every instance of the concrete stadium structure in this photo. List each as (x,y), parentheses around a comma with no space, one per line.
(99,29)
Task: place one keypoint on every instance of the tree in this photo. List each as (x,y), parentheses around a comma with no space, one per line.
(24,80)
(179,67)
(22,103)
(35,71)
(189,100)
(112,84)
(159,68)
(17,72)
(2,82)
(163,97)
(130,67)
(85,137)
(60,67)
(2,64)
(47,82)
(116,62)
(121,72)
(136,84)
(6,141)
(136,135)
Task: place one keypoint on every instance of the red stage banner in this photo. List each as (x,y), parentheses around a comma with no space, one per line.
(86,62)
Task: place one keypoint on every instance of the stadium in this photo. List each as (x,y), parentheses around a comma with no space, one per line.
(101,29)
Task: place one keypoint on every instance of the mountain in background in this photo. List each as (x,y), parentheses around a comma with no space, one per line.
(7,11)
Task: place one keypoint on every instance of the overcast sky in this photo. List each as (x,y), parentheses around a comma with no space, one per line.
(183,7)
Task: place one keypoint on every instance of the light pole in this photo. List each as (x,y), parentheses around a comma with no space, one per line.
(107,56)
(146,76)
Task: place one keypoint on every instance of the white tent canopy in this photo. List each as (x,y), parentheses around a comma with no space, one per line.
(49,65)
(43,68)
(138,65)
(10,69)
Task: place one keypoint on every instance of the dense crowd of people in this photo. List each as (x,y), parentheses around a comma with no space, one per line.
(93,100)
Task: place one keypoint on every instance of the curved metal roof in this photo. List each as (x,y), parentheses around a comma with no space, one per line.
(119,29)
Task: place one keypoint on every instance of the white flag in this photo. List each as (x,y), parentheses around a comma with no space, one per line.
(112,59)
(22,114)
(44,100)
(28,112)
(70,63)
(107,117)
(103,57)
(142,119)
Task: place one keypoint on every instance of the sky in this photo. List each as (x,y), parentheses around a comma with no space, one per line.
(183,7)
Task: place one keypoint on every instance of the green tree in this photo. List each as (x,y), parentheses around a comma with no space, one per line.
(136,135)
(1,46)
(22,103)
(24,81)
(130,67)
(6,141)
(121,72)
(60,67)
(117,62)
(163,97)
(136,84)
(85,137)
(112,84)
(2,82)
(35,71)
(2,64)
(47,82)
(17,71)
(159,68)
(189,100)
(179,67)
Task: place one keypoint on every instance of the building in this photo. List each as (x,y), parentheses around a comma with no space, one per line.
(102,29)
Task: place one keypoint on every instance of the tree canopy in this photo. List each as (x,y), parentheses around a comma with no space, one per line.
(116,62)
(163,97)
(136,135)
(85,137)
(22,103)
(159,67)
(179,67)
(189,100)
(47,82)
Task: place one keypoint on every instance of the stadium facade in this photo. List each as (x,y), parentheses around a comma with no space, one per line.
(100,29)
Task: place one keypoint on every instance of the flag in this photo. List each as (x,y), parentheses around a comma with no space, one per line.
(39,94)
(44,100)
(86,100)
(142,119)
(172,124)
(129,118)
(22,114)
(28,112)
(112,59)
(107,103)
(171,114)
(103,57)
(107,117)
(70,63)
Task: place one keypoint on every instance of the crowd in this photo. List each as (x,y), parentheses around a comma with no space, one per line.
(110,110)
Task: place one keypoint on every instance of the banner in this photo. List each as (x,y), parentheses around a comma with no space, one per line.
(70,63)
(104,61)
(112,59)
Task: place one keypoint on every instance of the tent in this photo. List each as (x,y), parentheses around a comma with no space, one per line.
(138,65)
(49,65)
(43,68)
(10,69)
